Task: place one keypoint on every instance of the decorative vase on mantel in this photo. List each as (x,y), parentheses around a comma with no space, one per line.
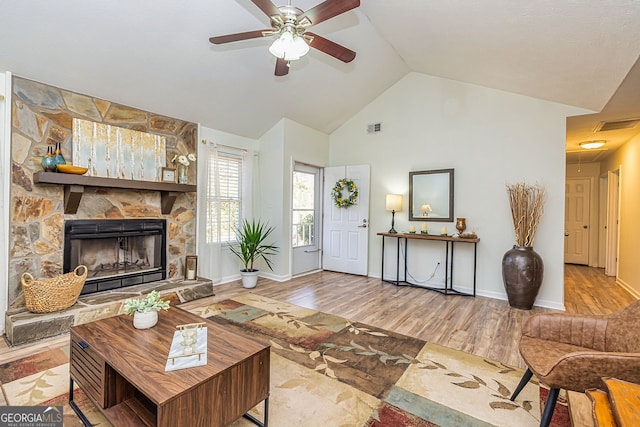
(48,161)
(57,155)
(183,177)
(522,271)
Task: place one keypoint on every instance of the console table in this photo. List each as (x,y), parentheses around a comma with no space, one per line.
(449,242)
(122,370)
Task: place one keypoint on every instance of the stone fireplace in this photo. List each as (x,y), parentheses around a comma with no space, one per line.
(117,253)
(149,227)
(42,115)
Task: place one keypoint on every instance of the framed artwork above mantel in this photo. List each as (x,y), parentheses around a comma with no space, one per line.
(431,195)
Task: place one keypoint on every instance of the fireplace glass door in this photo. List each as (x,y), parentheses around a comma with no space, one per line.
(117,253)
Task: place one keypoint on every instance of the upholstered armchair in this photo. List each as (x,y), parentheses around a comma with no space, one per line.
(575,352)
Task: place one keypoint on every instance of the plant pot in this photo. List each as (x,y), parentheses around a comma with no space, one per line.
(249,278)
(522,271)
(145,320)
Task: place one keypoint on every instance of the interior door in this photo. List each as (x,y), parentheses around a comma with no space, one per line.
(305,219)
(346,230)
(576,225)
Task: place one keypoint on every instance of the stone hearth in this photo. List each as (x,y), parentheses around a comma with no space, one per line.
(22,326)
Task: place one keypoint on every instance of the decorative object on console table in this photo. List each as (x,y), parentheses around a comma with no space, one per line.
(461,225)
(393,204)
(424,229)
(191,267)
(522,267)
(145,310)
(443,231)
(412,229)
(250,247)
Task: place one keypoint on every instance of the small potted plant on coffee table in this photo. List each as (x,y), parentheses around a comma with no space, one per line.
(145,310)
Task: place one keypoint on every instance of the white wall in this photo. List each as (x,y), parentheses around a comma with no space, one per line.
(490,138)
(5,180)
(305,145)
(282,145)
(627,159)
(222,266)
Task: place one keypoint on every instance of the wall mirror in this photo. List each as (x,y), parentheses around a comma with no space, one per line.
(431,195)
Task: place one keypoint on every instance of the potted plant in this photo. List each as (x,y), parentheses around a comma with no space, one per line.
(250,247)
(145,310)
(522,267)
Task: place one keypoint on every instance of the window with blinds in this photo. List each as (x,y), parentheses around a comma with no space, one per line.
(224,196)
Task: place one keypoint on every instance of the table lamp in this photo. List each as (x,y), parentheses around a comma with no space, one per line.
(425,209)
(394,204)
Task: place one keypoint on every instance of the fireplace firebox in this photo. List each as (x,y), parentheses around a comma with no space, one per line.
(117,253)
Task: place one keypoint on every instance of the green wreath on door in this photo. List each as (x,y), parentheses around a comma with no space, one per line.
(344,201)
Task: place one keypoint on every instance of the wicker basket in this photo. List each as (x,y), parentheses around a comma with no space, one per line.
(58,293)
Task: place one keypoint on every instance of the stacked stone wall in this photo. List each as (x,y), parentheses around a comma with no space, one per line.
(42,115)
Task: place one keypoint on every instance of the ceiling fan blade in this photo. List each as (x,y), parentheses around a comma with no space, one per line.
(328,10)
(331,48)
(267,7)
(240,36)
(282,68)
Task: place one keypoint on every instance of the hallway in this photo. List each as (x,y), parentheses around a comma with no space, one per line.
(587,290)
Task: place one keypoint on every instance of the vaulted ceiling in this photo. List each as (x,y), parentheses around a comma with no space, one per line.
(155,54)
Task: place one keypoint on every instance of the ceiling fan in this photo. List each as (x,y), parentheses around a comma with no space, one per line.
(290,24)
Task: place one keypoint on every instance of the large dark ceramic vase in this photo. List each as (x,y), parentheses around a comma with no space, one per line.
(522,270)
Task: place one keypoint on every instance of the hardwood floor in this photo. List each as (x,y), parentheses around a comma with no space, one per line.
(588,290)
(483,326)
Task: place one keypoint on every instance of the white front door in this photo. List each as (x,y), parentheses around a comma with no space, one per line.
(305,219)
(346,230)
(576,225)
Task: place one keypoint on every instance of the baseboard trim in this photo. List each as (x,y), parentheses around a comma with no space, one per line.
(624,285)
(490,294)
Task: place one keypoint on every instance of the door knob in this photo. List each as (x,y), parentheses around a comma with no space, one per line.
(585,226)
(566,234)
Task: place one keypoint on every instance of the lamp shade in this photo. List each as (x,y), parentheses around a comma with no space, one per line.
(289,46)
(425,208)
(394,202)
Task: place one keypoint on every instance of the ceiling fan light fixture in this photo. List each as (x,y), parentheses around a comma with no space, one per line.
(590,145)
(289,46)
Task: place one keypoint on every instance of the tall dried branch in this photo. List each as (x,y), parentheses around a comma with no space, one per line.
(526,201)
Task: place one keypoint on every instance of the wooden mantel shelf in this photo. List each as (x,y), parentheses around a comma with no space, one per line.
(74,188)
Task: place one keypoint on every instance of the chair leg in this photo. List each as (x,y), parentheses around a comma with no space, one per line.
(523,382)
(549,407)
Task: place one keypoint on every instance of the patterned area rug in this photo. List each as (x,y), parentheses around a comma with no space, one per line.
(329,371)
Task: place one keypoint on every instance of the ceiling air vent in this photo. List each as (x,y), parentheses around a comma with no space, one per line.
(616,125)
(374,128)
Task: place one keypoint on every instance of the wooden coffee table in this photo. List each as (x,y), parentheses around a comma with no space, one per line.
(121,369)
